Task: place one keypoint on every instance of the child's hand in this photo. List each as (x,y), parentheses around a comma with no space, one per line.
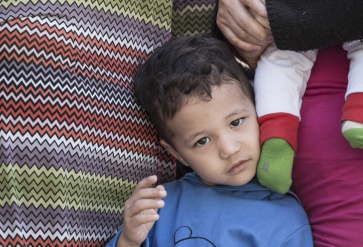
(141,212)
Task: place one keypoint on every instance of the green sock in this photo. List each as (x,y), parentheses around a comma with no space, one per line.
(275,165)
(353,132)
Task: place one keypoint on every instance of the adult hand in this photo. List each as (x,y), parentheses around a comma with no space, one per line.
(240,22)
(251,57)
(240,27)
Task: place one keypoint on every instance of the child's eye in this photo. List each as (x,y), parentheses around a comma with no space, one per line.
(236,123)
(202,142)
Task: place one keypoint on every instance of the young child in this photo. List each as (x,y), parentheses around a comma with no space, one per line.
(280,82)
(202,105)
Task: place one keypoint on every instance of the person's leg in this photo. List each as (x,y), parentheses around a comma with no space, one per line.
(352,117)
(327,172)
(279,84)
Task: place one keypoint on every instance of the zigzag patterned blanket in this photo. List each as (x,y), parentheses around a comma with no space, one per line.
(73,143)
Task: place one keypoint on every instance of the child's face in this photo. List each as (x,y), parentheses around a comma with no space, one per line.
(219,138)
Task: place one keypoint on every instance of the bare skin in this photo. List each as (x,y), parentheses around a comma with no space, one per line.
(141,212)
(221,145)
(244,23)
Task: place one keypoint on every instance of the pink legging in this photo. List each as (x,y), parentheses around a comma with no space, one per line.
(328,173)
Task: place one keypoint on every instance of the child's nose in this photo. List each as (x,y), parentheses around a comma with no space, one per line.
(228,146)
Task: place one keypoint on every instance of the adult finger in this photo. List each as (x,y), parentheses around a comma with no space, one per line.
(241,44)
(262,20)
(248,23)
(251,57)
(258,6)
(239,26)
(231,29)
(240,33)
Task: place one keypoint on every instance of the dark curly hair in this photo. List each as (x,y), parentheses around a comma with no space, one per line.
(185,66)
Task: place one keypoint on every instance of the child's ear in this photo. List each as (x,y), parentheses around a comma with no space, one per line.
(172,151)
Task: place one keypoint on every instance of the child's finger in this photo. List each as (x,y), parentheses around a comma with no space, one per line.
(143,199)
(144,218)
(150,193)
(139,206)
(144,191)
(161,192)
(146,183)
(160,187)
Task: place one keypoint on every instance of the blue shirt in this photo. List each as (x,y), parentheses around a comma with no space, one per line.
(199,215)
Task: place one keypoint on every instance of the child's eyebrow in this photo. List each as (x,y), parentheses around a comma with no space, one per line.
(236,112)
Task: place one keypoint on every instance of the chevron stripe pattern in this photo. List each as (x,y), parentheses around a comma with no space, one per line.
(73,143)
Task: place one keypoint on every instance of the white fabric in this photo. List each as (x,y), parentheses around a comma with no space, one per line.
(348,125)
(281,78)
(355,76)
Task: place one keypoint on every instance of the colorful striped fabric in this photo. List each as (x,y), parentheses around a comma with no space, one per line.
(73,143)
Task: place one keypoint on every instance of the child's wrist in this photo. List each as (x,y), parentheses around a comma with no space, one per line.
(123,242)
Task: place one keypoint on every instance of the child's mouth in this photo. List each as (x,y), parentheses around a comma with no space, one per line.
(241,165)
